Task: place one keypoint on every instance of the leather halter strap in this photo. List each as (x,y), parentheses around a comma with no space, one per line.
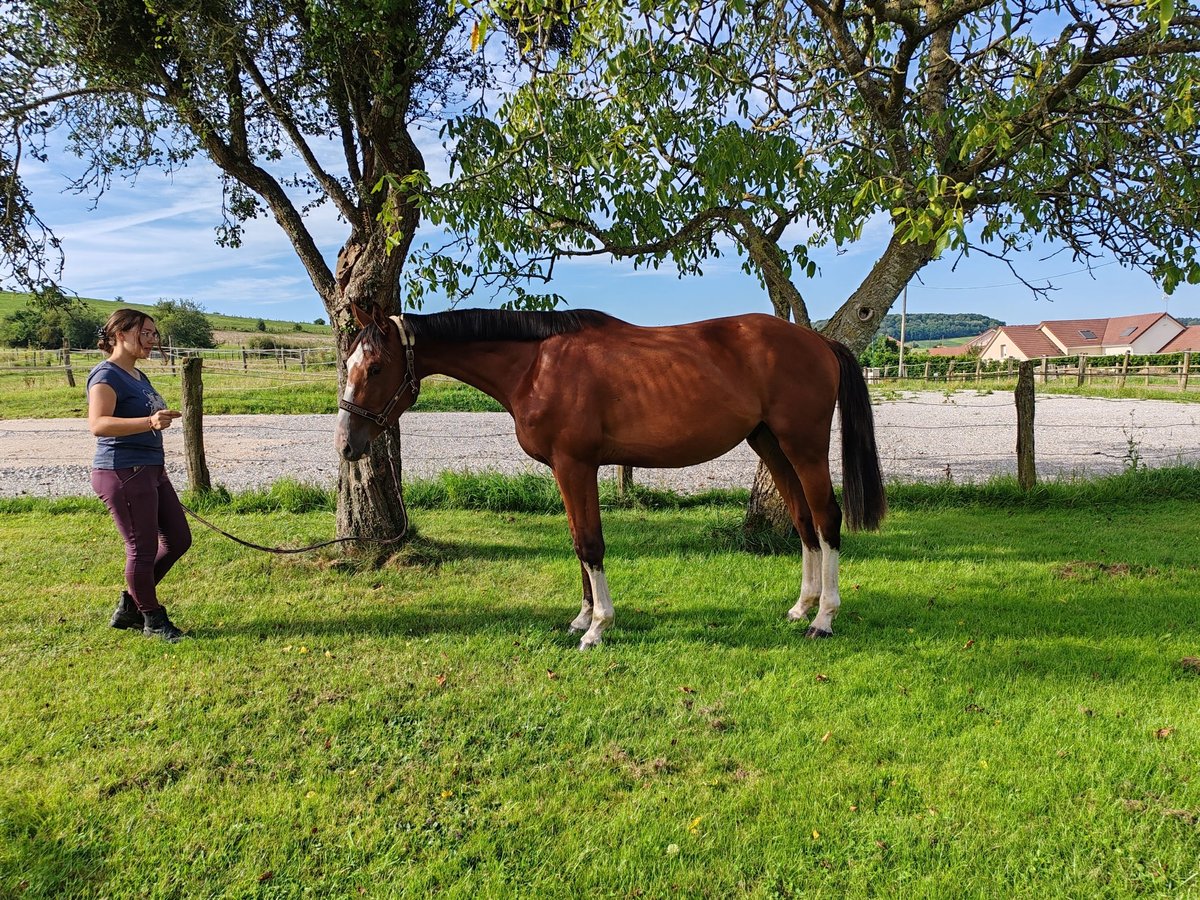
(410,379)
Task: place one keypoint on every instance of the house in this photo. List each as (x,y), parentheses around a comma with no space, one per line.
(1188,339)
(1142,334)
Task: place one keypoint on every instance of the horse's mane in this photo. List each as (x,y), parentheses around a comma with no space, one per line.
(460,325)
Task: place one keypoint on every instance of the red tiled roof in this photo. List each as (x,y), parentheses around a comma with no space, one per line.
(1030,341)
(960,350)
(1188,339)
(1070,332)
(1114,332)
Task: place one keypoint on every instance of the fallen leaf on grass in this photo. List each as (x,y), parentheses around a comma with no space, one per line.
(1191,664)
(687,690)
(441,680)
(969,644)
(1164,733)
(826,736)
(694,825)
(265,877)
(551,674)
(821,677)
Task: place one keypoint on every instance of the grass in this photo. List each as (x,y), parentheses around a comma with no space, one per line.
(267,390)
(1002,713)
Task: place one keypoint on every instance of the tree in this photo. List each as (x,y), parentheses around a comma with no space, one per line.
(296,104)
(49,319)
(675,132)
(184,323)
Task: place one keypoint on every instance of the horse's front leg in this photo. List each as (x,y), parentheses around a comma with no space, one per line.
(583,621)
(581,497)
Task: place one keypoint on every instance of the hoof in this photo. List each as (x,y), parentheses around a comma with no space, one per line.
(796,616)
(575,629)
(818,633)
(586,645)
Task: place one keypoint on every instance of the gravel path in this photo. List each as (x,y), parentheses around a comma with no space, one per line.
(923,436)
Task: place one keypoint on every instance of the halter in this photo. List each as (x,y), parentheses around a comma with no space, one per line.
(410,379)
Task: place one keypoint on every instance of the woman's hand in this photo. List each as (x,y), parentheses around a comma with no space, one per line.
(163,419)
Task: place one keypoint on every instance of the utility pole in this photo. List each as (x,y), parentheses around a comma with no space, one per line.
(903,316)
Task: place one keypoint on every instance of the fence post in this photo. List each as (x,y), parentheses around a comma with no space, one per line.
(624,480)
(303,362)
(949,371)
(245,367)
(927,364)
(71,375)
(192,390)
(1124,369)
(1082,370)
(1184,369)
(1045,369)
(1026,462)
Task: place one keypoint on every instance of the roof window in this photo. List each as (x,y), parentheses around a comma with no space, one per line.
(1088,334)
(1128,331)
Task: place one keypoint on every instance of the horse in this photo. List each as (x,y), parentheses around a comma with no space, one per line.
(585,390)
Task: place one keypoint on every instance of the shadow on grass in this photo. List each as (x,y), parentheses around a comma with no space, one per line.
(1072,597)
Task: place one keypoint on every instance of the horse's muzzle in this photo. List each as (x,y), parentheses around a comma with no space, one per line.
(349,445)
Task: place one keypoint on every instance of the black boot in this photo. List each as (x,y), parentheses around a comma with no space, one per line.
(159,626)
(127,615)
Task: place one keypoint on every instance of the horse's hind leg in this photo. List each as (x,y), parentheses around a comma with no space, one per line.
(581,497)
(809,456)
(584,620)
(763,442)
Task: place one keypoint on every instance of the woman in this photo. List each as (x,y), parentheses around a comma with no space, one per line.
(127,415)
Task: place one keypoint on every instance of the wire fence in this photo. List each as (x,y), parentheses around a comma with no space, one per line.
(1170,370)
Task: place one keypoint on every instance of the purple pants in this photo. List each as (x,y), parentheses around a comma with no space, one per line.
(148,515)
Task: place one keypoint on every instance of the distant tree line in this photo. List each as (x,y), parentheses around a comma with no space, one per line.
(933,326)
(938,326)
(51,318)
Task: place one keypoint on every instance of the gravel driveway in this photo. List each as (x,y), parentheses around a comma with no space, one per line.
(922,436)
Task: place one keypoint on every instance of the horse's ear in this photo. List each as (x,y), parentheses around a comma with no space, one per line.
(380,318)
(361,317)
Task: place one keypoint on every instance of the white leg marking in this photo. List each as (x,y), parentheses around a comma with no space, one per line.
(584,620)
(810,587)
(602,608)
(822,624)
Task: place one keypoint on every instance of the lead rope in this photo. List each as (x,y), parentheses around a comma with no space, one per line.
(283,550)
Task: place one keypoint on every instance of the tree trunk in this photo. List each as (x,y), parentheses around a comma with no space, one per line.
(854,324)
(369,499)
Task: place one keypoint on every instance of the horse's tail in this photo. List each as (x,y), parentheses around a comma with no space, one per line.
(862,480)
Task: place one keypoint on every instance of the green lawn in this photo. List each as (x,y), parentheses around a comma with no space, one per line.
(1003,711)
(269,390)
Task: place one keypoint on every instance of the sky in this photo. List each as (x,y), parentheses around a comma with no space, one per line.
(153,238)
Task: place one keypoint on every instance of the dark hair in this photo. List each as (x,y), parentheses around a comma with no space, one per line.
(121,320)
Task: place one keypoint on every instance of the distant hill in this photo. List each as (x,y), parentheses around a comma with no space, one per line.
(1187,320)
(938,326)
(11,301)
(933,326)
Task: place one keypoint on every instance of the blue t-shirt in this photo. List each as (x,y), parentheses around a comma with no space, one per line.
(136,398)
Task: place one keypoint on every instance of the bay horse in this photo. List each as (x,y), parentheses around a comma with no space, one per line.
(585,390)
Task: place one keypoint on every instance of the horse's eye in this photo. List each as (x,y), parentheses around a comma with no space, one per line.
(373,370)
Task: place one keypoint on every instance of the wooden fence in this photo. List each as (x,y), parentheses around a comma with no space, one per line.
(1163,370)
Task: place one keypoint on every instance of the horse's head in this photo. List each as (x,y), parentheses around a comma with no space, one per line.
(380,382)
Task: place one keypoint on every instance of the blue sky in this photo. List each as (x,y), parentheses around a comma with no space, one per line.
(153,238)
